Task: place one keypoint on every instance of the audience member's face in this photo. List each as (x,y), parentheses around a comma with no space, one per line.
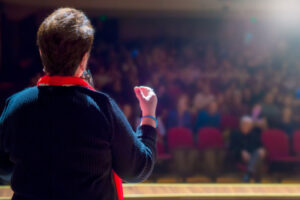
(220,99)
(183,103)
(287,115)
(247,94)
(206,90)
(257,88)
(155,80)
(269,98)
(288,100)
(237,99)
(274,90)
(213,107)
(161,90)
(246,126)
(127,110)
(199,84)
(226,64)
(117,86)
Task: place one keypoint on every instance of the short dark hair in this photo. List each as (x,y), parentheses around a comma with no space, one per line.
(63,38)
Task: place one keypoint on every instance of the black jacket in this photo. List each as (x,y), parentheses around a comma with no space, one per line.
(65,142)
(249,142)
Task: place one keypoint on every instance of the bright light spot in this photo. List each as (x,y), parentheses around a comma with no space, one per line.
(286,12)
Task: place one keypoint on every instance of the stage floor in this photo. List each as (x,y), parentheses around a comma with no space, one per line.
(212,191)
(151,191)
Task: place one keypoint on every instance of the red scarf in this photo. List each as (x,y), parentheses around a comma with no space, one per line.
(67,81)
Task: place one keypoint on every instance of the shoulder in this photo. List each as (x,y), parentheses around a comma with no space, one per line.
(173,112)
(102,99)
(202,113)
(25,96)
(89,96)
(19,100)
(236,134)
(187,114)
(97,95)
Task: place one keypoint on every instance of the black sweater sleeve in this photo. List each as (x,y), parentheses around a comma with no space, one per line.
(133,153)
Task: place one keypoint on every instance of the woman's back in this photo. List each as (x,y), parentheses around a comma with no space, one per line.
(62,144)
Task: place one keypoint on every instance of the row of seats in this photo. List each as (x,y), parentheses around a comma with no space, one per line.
(275,141)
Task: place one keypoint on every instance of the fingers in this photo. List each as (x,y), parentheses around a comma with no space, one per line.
(144,92)
(138,93)
(147,99)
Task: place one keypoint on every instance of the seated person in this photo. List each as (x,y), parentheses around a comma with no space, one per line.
(181,116)
(246,146)
(287,124)
(270,111)
(202,99)
(209,117)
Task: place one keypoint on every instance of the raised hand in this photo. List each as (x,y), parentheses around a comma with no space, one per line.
(148,102)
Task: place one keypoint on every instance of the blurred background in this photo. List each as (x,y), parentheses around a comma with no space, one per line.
(226,72)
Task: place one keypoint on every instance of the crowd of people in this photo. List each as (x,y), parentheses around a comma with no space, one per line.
(198,83)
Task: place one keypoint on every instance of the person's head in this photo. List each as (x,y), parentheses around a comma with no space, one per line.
(220,98)
(246,124)
(127,109)
(287,115)
(212,107)
(237,98)
(288,100)
(247,94)
(206,89)
(269,98)
(183,103)
(65,40)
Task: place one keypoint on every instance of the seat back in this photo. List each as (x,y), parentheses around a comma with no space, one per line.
(276,143)
(229,122)
(296,141)
(209,137)
(160,145)
(180,137)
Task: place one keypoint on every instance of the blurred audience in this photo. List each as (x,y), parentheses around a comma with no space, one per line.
(197,82)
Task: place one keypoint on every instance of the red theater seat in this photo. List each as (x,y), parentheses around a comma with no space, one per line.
(161,152)
(209,138)
(286,159)
(180,137)
(229,122)
(296,142)
(276,143)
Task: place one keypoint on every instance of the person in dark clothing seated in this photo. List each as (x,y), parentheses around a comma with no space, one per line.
(209,117)
(66,140)
(246,146)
